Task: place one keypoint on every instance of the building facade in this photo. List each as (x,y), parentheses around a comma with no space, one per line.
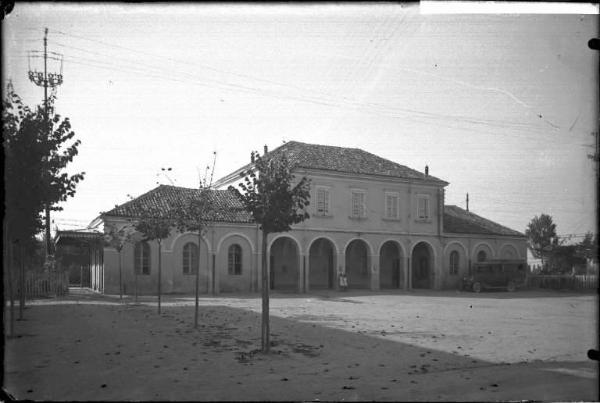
(383,224)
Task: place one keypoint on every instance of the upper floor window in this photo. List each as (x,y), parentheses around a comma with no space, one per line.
(190,258)
(454,262)
(234,260)
(423,207)
(391,205)
(141,258)
(323,200)
(481,256)
(359,208)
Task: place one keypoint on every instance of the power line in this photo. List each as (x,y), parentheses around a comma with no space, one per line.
(374,108)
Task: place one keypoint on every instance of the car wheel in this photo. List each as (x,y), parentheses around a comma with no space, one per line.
(477,287)
(510,287)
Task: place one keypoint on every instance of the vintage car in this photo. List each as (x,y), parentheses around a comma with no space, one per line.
(495,274)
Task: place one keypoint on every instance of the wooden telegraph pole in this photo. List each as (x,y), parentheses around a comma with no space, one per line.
(46,80)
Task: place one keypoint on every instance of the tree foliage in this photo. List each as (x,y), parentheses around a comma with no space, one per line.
(118,237)
(196,212)
(37,151)
(588,247)
(267,193)
(155,225)
(541,236)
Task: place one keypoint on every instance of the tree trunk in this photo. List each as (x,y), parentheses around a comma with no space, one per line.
(197,283)
(9,270)
(135,276)
(21,280)
(159,271)
(120,277)
(265,296)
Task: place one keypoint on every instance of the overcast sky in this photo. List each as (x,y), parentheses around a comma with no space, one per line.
(500,106)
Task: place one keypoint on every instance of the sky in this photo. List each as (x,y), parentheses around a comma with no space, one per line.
(501,106)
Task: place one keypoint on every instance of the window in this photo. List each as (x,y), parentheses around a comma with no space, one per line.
(481,256)
(454,262)
(423,207)
(358,203)
(391,205)
(234,260)
(190,258)
(323,200)
(141,256)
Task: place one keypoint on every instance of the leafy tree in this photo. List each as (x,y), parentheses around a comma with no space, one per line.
(268,193)
(35,155)
(541,236)
(588,247)
(155,226)
(194,215)
(118,238)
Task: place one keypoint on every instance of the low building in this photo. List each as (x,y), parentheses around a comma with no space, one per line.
(385,225)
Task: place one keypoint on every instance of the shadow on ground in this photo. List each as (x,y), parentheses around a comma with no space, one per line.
(129,352)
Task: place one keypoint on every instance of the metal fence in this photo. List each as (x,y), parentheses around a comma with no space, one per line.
(562,281)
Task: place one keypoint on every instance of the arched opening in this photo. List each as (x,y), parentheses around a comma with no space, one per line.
(422,266)
(357,264)
(284,264)
(390,266)
(481,256)
(321,263)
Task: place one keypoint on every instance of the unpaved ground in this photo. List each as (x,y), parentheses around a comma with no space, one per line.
(326,346)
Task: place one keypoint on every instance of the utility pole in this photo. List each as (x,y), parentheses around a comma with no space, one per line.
(467,202)
(52,80)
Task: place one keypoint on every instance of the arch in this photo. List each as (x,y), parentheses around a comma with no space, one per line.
(391,273)
(509,251)
(449,244)
(190,256)
(234,259)
(369,247)
(322,257)
(397,242)
(422,261)
(142,262)
(284,267)
(284,235)
(358,264)
(478,247)
(230,282)
(454,262)
(183,234)
(451,276)
(318,237)
(231,234)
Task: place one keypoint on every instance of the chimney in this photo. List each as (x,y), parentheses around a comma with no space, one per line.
(266,149)
(426,170)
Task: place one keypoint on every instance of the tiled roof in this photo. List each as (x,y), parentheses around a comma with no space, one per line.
(166,198)
(348,160)
(459,221)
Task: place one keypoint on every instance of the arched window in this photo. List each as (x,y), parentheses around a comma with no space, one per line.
(190,258)
(481,256)
(234,260)
(141,258)
(454,262)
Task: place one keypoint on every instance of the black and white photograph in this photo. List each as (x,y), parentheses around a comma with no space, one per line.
(386,201)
